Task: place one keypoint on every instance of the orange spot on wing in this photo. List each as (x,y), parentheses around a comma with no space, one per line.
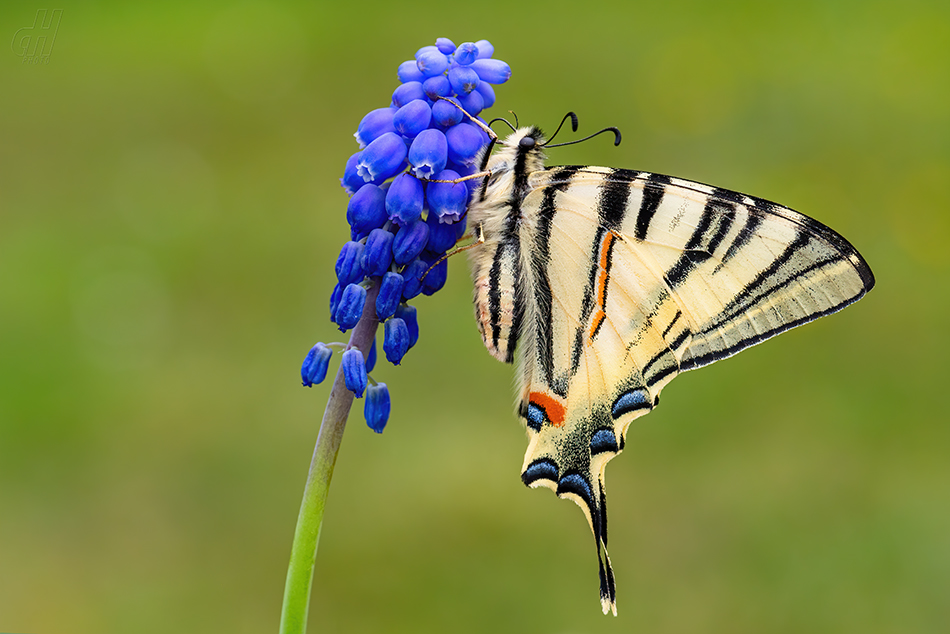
(552,407)
(600,315)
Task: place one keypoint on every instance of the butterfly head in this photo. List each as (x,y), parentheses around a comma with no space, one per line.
(520,154)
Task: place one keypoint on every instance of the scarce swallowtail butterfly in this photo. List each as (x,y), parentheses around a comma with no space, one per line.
(603,284)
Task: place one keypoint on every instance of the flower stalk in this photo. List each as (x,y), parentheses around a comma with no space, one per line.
(293,616)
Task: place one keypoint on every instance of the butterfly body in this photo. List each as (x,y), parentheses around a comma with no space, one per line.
(602,284)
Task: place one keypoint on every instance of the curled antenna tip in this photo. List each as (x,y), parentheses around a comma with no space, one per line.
(573,121)
(616,136)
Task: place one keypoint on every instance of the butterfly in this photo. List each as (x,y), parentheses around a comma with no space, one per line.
(603,284)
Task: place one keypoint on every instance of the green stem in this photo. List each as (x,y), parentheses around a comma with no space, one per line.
(293,616)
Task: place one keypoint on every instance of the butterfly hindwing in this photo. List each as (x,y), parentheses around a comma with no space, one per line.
(613,281)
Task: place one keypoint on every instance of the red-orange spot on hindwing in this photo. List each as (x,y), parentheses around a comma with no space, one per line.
(552,407)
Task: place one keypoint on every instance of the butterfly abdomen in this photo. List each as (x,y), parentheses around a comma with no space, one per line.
(499,306)
(498,264)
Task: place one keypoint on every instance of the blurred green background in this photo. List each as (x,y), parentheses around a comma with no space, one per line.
(171,212)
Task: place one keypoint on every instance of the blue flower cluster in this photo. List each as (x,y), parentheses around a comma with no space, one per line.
(403,214)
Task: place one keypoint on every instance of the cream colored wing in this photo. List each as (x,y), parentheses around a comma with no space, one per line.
(633,277)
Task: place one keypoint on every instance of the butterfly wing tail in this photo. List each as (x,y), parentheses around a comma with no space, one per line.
(608,588)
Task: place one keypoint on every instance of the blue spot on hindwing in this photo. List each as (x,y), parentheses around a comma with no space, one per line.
(604,440)
(630,401)
(576,484)
(535,417)
(541,469)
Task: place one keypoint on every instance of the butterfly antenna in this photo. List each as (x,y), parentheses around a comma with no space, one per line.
(515,115)
(506,122)
(573,118)
(610,129)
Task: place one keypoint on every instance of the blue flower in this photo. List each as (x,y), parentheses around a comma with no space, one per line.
(412,278)
(447,200)
(463,80)
(409,71)
(396,340)
(445,45)
(445,114)
(465,142)
(437,86)
(350,308)
(401,222)
(435,278)
(428,154)
(348,268)
(378,253)
(314,368)
(376,407)
(466,53)
(382,158)
(366,211)
(405,199)
(374,125)
(410,241)
(390,293)
(494,71)
(432,61)
(412,118)
(409,91)
(354,371)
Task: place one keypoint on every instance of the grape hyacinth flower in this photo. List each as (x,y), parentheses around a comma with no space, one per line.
(402,224)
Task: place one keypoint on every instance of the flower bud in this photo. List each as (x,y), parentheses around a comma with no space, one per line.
(447,200)
(348,270)
(409,71)
(487,93)
(376,409)
(373,125)
(407,313)
(412,118)
(390,292)
(431,62)
(473,102)
(445,45)
(335,301)
(485,49)
(350,309)
(378,253)
(463,80)
(395,340)
(464,143)
(445,114)
(314,368)
(435,278)
(366,210)
(404,199)
(407,92)
(494,71)
(352,180)
(437,86)
(382,158)
(371,357)
(410,240)
(465,54)
(441,234)
(412,278)
(354,371)
(428,153)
